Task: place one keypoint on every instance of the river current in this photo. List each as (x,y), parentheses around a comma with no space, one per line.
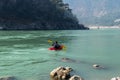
(25,54)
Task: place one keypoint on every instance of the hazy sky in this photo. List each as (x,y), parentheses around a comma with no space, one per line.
(70,2)
(74,5)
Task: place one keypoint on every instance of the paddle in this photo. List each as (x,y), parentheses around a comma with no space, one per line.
(64,47)
(50,41)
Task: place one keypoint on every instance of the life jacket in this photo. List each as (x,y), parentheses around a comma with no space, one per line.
(57,46)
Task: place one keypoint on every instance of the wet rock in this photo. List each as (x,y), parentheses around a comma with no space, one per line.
(116,78)
(61,73)
(75,77)
(7,78)
(69,69)
(97,66)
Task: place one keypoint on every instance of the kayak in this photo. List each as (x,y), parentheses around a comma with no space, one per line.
(52,48)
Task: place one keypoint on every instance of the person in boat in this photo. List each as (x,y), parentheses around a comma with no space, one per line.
(56,45)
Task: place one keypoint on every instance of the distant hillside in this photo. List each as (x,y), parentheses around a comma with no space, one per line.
(37,14)
(99,12)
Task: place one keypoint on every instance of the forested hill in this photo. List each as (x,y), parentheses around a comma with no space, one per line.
(37,15)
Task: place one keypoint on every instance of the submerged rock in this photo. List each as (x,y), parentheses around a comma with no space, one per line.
(7,78)
(67,60)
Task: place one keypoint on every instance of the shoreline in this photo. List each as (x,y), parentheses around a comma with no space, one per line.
(104,27)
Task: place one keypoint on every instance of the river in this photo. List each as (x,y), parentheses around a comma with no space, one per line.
(25,54)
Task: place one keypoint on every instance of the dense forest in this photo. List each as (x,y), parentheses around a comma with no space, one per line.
(37,15)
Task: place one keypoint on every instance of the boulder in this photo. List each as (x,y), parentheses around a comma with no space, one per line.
(75,77)
(61,73)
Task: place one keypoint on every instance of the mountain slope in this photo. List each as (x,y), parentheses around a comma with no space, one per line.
(36,14)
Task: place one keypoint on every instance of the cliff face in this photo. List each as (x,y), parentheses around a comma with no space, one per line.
(36,14)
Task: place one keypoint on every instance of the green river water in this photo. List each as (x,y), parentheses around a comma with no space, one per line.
(25,54)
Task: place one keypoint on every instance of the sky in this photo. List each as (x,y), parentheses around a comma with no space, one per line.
(69,2)
(74,5)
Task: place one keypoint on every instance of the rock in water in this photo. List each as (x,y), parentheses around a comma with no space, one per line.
(97,66)
(67,60)
(116,78)
(7,78)
(75,77)
(61,73)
